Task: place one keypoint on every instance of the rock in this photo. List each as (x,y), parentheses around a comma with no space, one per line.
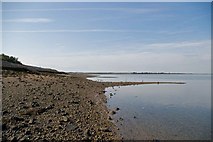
(50,94)
(64,119)
(50,106)
(31,121)
(28,133)
(87,133)
(121,119)
(112,112)
(91,102)
(71,126)
(21,103)
(41,110)
(75,101)
(105,129)
(15,128)
(109,117)
(13,138)
(17,118)
(5,112)
(60,127)
(34,104)
(4,127)
(35,97)
(49,127)
(25,107)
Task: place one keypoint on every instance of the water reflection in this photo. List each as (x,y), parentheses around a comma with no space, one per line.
(165,111)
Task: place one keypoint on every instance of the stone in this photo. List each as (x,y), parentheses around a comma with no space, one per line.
(112,112)
(71,126)
(110,118)
(105,129)
(64,119)
(87,133)
(34,104)
(31,121)
(4,127)
(17,118)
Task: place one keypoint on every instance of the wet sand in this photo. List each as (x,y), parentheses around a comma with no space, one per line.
(56,107)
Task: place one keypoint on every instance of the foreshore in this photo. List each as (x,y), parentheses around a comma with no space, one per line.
(51,107)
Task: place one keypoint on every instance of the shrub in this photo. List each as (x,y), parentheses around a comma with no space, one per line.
(11,59)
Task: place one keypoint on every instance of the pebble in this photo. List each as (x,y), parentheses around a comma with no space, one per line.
(109,117)
(65,119)
(31,121)
(71,126)
(112,112)
(105,129)
(17,118)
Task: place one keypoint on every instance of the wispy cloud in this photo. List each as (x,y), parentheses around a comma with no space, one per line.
(184,44)
(70,31)
(28,20)
(129,10)
(89,30)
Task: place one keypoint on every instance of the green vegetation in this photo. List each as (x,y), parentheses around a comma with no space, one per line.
(11,59)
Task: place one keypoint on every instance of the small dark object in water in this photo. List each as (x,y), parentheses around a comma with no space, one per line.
(117,109)
(134,117)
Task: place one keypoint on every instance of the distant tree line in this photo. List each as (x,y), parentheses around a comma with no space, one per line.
(11,59)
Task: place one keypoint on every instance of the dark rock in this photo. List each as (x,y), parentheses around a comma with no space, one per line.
(15,118)
(34,104)
(15,128)
(31,121)
(4,127)
(50,106)
(91,102)
(109,117)
(21,103)
(41,110)
(112,112)
(49,127)
(25,107)
(121,119)
(87,133)
(50,94)
(5,112)
(28,133)
(71,126)
(105,130)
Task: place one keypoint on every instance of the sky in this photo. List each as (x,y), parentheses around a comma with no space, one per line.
(112,37)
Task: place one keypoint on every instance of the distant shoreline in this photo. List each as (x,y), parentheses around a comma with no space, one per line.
(170,73)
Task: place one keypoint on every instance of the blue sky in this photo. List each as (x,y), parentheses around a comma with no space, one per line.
(170,37)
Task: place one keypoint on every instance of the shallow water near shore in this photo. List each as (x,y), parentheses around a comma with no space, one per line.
(164,111)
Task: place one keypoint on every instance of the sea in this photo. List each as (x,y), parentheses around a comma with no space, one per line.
(161,111)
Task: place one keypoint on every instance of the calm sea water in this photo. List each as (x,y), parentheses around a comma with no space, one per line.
(164,111)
